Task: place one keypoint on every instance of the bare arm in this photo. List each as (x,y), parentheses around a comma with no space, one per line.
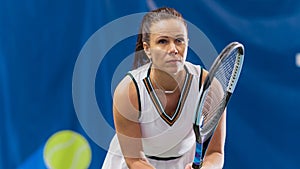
(214,157)
(126,114)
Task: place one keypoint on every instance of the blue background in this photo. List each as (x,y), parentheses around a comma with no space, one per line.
(41,40)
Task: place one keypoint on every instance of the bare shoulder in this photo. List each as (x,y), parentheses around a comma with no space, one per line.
(126,97)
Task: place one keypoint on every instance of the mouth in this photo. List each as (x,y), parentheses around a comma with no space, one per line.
(173,61)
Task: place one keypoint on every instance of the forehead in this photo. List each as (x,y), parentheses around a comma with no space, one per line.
(168,27)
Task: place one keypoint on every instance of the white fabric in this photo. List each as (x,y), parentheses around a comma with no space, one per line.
(115,160)
(159,138)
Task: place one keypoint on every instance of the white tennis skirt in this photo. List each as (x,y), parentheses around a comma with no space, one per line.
(115,160)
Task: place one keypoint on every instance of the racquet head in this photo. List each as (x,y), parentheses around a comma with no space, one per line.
(216,91)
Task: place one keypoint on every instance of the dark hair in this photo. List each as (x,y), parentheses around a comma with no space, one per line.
(140,57)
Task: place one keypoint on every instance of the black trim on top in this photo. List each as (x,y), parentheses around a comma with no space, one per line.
(138,92)
(157,103)
(200,78)
(162,158)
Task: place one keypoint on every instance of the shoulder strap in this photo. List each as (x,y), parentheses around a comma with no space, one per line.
(137,91)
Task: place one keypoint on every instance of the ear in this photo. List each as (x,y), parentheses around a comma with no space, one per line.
(147,49)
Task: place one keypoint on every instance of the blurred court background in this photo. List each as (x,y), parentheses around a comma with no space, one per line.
(40,41)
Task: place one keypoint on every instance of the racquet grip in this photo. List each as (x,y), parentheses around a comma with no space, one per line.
(198,154)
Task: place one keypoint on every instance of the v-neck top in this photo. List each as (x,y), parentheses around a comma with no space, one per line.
(164,135)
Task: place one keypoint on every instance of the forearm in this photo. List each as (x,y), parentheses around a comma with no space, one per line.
(138,163)
(214,160)
(214,156)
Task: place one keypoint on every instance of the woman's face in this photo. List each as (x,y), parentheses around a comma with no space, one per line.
(168,45)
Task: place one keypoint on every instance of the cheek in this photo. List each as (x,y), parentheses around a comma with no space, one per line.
(157,52)
(183,49)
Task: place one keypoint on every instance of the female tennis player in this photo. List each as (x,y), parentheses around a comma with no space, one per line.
(154,105)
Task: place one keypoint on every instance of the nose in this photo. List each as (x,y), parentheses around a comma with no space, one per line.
(173,50)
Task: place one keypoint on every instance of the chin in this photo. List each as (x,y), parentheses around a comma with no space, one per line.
(174,70)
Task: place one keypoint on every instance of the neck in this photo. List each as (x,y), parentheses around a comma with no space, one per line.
(169,83)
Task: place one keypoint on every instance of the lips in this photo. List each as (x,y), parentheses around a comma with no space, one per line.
(173,61)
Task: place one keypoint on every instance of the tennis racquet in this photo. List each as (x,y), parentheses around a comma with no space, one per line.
(215,94)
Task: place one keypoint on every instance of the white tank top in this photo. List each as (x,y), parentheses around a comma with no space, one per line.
(165,136)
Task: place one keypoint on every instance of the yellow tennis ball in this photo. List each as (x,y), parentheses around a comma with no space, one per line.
(67,150)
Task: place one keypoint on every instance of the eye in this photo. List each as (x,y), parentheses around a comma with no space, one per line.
(179,41)
(162,41)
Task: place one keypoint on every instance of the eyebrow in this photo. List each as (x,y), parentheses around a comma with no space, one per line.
(176,36)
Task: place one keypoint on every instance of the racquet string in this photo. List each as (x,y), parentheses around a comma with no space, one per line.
(224,71)
(215,99)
